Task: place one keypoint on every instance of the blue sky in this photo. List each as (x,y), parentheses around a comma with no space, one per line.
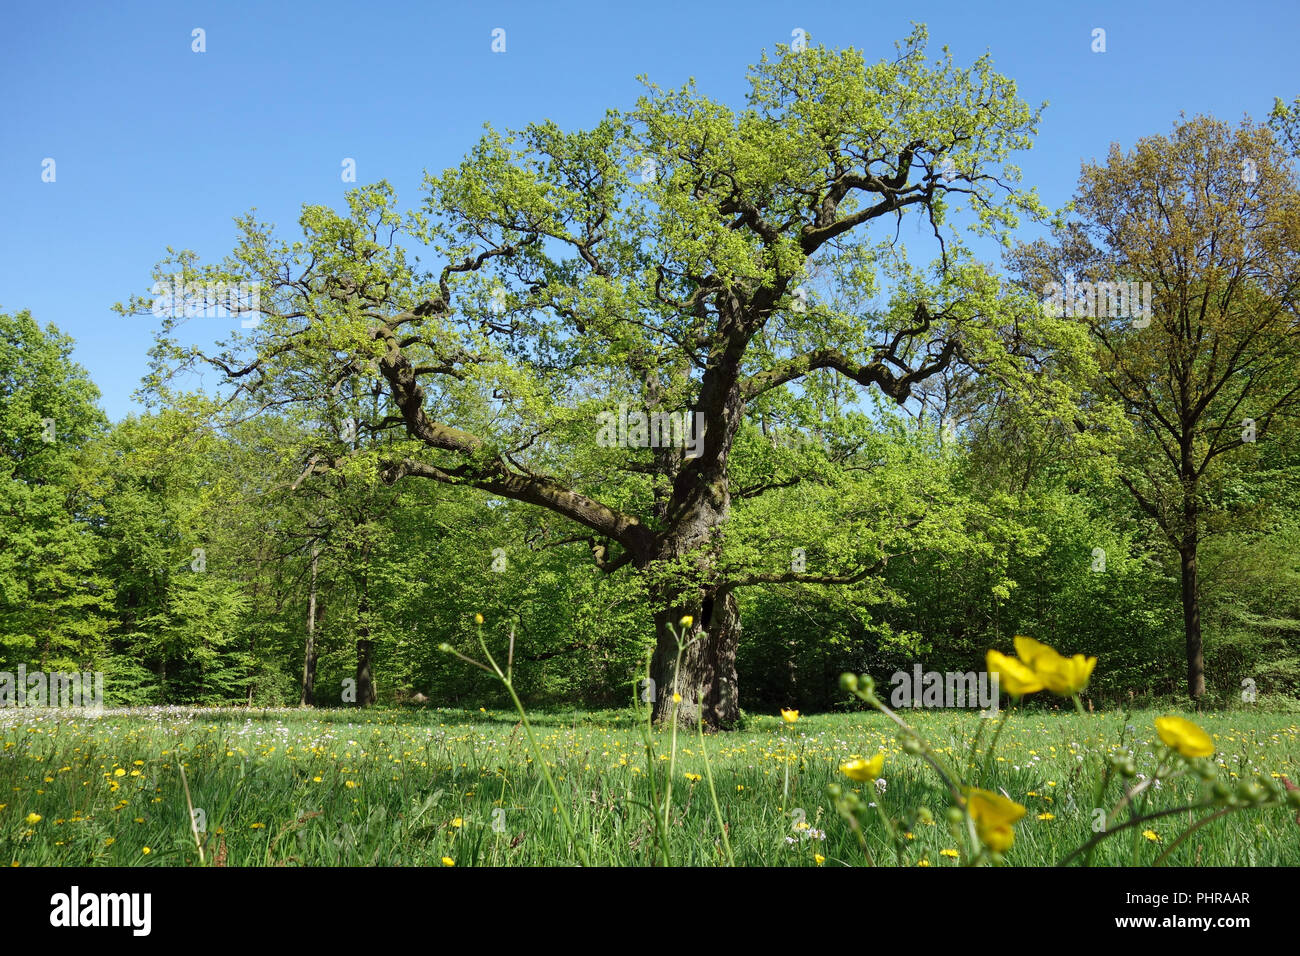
(157,145)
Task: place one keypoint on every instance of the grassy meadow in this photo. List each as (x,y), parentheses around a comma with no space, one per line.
(442,788)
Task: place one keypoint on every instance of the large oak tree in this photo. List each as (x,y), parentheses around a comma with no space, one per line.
(745,266)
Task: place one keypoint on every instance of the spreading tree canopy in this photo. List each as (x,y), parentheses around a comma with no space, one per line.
(743,267)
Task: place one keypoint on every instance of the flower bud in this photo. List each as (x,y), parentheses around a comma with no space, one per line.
(849,682)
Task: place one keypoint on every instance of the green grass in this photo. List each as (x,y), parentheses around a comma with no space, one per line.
(392,785)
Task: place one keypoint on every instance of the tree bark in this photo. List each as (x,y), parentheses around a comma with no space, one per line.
(365,676)
(707,678)
(308,697)
(1188,546)
(252,650)
(1192,625)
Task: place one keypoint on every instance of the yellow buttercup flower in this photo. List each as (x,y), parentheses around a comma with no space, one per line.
(1031,651)
(864,771)
(1065,675)
(33,819)
(789,716)
(994,816)
(478,618)
(1062,675)
(1014,676)
(448,861)
(1184,736)
(818,859)
(686,621)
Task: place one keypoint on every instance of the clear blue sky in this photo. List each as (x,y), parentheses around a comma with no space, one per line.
(156,145)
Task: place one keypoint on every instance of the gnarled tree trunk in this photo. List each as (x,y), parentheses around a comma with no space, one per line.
(707,678)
